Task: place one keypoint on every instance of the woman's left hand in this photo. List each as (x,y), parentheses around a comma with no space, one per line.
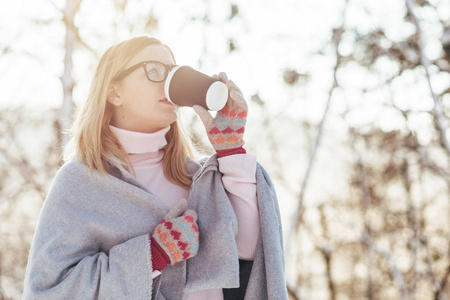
(226,129)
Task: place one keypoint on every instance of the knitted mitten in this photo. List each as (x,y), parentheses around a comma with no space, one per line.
(226,129)
(177,236)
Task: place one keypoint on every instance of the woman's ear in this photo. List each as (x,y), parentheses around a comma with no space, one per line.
(113,95)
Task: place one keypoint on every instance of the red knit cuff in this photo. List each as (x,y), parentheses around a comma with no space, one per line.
(232,151)
(159,257)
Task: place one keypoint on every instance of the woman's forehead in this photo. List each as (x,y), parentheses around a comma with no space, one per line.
(153,52)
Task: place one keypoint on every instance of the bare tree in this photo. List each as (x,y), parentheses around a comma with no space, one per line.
(65,114)
(31,145)
(388,199)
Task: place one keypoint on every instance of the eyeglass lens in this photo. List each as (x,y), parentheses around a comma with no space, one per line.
(155,71)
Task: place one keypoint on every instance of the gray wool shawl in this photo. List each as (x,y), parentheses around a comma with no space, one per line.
(92,239)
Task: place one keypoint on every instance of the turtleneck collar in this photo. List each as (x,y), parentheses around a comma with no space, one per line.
(138,142)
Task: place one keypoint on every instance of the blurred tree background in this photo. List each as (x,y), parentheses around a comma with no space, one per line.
(349,112)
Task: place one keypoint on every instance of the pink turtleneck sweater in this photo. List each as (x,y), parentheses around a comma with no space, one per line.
(146,154)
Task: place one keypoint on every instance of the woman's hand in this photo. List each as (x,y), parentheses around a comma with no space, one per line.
(226,129)
(176,236)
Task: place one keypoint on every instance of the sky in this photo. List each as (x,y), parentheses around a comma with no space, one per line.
(270,35)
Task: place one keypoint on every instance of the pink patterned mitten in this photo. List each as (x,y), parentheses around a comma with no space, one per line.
(179,236)
(226,130)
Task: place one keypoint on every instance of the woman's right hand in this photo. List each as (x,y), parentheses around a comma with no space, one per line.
(177,236)
(226,130)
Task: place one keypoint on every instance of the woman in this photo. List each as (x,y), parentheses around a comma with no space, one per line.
(116,225)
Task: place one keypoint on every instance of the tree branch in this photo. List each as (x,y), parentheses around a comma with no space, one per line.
(24,168)
(429,269)
(395,272)
(327,253)
(365,201)
(425,62)
(444,281)
(337,37)
(291,293)
(414,240)
(65,114)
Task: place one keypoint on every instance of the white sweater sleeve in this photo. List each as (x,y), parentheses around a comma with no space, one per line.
(239,180)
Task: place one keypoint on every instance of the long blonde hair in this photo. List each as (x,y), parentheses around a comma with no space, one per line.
(91,139)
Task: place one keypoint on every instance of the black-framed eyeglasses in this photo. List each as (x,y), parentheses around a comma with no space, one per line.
(155,71)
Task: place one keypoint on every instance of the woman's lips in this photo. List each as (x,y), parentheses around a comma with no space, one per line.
(164,100)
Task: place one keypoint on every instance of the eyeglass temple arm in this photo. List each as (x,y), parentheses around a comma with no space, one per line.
(129,70)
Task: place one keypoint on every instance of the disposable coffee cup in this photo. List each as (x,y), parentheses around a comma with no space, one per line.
(187,87)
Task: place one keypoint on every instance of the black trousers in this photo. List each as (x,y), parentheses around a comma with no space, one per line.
(245,268)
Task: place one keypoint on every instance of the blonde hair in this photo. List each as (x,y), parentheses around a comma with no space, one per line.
(92,141)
